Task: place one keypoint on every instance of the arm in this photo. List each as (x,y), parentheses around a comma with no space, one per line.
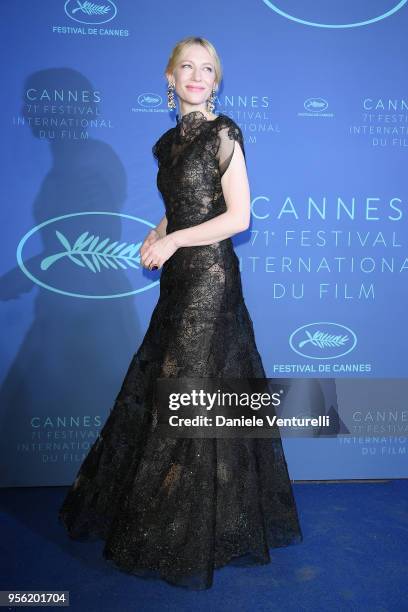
(160,229)
(236,219)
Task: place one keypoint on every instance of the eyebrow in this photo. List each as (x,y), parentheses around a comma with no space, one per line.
(188,60)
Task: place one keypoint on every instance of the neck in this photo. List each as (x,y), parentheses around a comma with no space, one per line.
(186,111)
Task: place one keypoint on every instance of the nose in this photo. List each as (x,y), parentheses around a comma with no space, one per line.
(197,74)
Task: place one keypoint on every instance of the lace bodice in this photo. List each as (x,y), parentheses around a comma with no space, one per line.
(193,156)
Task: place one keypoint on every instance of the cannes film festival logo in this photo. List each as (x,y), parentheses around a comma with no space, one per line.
(90,13)
(149,100)
(93,252)
(342,14)
(323,340)
(315,105)
(87,255)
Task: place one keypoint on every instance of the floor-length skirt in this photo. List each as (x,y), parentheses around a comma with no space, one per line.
(178,508)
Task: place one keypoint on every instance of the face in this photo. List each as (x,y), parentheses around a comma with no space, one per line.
(194,75)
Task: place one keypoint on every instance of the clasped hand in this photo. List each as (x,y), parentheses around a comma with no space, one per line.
(155,251)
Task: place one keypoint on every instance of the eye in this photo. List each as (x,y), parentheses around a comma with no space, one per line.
(207,67)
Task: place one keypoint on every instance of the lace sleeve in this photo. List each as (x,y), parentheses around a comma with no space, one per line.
(160,149)
(155,149)
(227,136)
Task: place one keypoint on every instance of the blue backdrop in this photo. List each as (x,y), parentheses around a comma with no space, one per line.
(319,92)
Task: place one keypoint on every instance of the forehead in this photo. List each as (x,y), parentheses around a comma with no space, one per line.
(197,54)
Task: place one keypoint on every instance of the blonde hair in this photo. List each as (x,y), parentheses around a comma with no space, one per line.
(191,40)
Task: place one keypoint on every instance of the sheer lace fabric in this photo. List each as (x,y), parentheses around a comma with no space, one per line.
(178,509)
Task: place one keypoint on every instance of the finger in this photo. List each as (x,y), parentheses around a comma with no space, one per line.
(145,256)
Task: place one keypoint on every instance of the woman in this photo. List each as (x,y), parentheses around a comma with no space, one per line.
(177,508)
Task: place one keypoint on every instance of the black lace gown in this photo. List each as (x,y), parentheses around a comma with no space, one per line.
(177,508)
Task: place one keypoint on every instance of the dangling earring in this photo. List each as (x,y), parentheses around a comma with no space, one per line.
(210,101)
(171,103)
